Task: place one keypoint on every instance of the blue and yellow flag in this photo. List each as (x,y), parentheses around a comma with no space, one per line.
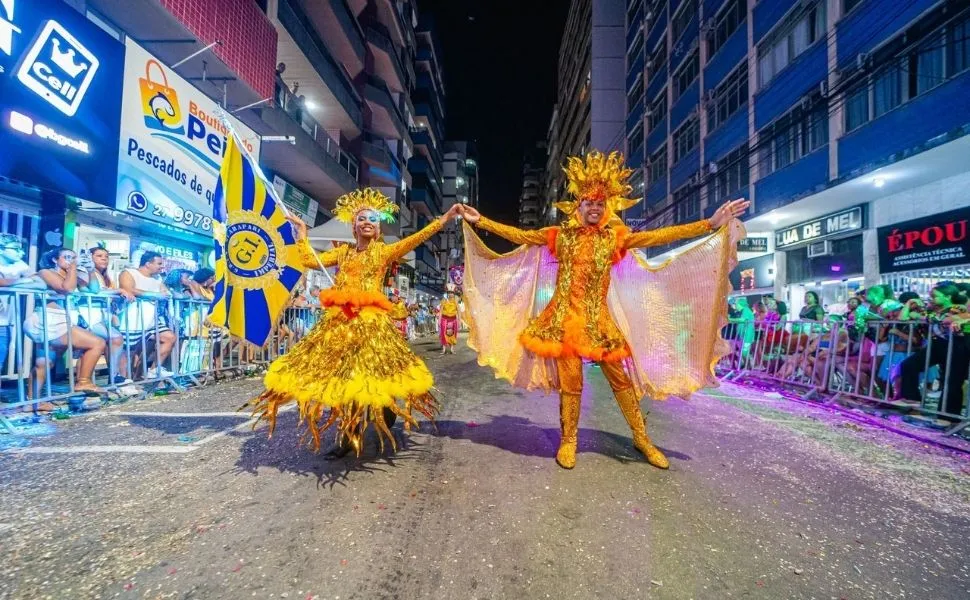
(254,251)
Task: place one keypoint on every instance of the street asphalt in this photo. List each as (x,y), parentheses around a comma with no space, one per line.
(176,497)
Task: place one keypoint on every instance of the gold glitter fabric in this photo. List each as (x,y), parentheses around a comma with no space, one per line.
(353,363)
(601,302)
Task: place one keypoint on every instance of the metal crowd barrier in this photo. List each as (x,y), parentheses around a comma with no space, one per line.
(907,365)
(44,329)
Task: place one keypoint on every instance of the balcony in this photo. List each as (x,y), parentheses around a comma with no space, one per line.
(396,72)
(338,25)
(384,168)
(303,51)
(387,121)
(424,141)
(316,162)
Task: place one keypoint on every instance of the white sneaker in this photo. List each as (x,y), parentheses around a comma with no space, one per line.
(161,373)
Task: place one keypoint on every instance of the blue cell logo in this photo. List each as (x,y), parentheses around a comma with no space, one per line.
(137,202)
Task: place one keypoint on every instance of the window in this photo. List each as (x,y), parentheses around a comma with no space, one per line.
(657,60)
(792,39)
(686,138)
(634,147)
(658,166)
(682,19)
(635,94)
(725,24)
(632,10)
(636,49)
(857,109)
(686,75)
(729,97)
(926,66)
(687,202)
(730,176)
(887,91)
(658,110)
(958,49)
(796,134)
(848,5)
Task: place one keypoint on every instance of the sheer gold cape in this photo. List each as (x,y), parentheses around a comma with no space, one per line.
(671,314)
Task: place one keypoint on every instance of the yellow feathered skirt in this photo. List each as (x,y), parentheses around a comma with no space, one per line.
(344,373)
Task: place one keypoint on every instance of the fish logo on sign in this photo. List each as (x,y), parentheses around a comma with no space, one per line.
(58,68)
(7,28)
(159,101)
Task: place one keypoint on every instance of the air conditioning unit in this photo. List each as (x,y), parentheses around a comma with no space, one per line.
(820,249)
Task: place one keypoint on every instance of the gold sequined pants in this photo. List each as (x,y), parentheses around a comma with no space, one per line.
(571,375)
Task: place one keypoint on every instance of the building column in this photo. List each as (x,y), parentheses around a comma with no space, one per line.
(781,275)
(870,257)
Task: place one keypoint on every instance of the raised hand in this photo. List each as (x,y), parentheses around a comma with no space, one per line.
(728,211)
(299,227)
(470,214)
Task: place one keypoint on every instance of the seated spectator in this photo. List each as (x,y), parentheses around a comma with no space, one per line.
(142,322)
(53,330)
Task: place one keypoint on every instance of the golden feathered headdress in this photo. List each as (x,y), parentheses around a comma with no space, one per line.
(598,177)
(350,204)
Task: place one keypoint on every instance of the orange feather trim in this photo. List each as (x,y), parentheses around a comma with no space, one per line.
(354,299)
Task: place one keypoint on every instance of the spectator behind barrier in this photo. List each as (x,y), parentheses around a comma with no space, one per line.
(53,329)
(142,321)
(14,275)
(100,313)
(948,300)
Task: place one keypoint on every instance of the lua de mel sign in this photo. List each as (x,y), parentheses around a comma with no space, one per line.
(835,224)
(172,144)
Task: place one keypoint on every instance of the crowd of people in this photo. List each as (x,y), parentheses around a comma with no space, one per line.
(128,322)
(895,347)
(126,326)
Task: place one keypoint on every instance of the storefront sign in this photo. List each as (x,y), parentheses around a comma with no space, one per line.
(171,146)
(296,201)
(60,79)
(175,258)
(753,244)
(936,241)
(754,274)
(835,224)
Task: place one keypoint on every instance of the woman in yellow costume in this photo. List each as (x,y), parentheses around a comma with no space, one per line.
(353,369)
(399,315)
(575,292)
(448,325)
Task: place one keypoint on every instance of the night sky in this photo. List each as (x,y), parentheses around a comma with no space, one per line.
(500,60)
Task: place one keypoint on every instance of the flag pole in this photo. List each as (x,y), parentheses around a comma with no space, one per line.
(270,189)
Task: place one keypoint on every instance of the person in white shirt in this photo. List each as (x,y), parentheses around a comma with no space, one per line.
(142,321)
(14,275)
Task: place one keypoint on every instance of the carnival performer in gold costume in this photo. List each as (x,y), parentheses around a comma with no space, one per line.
(353,369)
(574,292)
(399,315)
(448,323)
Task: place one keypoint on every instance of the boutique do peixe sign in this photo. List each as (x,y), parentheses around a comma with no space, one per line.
(936,241)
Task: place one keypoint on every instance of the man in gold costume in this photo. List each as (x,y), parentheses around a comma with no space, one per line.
(604,305)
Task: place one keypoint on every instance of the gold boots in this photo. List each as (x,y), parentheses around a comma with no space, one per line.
(630,406)
(569,422)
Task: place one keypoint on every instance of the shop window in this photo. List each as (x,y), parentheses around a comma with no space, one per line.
(844,261)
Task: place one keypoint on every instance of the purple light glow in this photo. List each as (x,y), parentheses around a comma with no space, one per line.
(836,268)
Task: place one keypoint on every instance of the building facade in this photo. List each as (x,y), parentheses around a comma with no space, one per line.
(838,119)
(589,112)
(328,95)
(530,199)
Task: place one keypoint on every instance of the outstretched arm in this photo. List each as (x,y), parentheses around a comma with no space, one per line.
(309,258)
(398,249)
(667,235)
(531,237)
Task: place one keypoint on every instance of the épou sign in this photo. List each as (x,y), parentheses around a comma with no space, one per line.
(831,225)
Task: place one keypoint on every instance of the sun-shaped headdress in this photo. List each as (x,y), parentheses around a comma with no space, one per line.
(598,177)
(350,204)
